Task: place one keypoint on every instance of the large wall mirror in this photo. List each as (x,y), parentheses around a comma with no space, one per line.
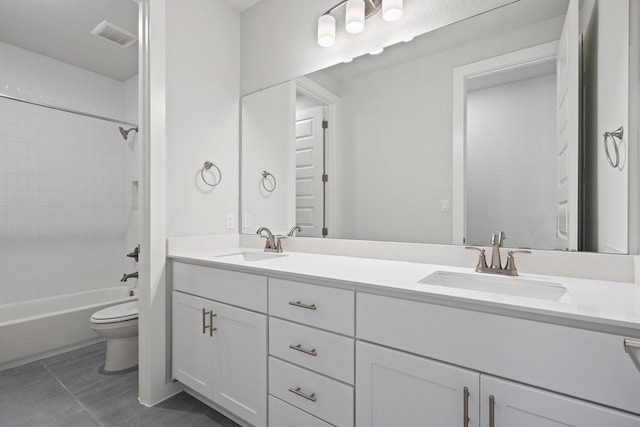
(492,123)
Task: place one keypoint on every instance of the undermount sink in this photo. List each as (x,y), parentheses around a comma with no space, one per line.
(513,286)
(251,256)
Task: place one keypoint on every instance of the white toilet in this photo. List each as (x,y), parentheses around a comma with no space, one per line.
(119,324)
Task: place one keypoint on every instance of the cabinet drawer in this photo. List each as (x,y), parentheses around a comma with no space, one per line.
(284,415)
(231,287)
(586,364)
(325,398)
(321,351)
(319,306)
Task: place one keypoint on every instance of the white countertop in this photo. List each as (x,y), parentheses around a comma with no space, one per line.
(597,305)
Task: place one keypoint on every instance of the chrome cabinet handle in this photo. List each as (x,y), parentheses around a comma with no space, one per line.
(311,397)
(629,343)
(204,321)
(299,348)
(301,305)
(465,407)
(211,328)
(492,411)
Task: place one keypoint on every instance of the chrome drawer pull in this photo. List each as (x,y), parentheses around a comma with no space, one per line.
(299,347)
(301,305)
(465,407)
(311,397)
(492,411)
(628,343)
(211,328)
(204,324)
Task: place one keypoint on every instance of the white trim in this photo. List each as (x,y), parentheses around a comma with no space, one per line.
(513,60)
(291,166)
(154,358)
(313,90)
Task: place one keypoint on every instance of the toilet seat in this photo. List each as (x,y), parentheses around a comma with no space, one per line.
(116,313)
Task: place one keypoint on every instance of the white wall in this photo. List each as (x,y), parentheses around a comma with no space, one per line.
(396,141)
(62,194)
(510,161)
(291,49)
(608,102)
(267,127)
(202,111)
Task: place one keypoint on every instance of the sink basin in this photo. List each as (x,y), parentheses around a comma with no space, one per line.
(251,256)
(513,286)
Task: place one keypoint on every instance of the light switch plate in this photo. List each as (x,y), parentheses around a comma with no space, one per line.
(230,221)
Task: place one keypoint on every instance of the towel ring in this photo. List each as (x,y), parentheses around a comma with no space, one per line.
(612,136)
(265,174)
(208,165)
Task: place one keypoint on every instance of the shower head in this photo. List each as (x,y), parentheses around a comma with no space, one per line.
(125,133)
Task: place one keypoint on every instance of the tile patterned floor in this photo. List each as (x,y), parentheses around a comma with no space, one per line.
(68,391)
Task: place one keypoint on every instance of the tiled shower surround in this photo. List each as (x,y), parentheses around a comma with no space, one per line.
(66,190)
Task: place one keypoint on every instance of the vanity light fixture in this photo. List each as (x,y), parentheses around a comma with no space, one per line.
(356,13)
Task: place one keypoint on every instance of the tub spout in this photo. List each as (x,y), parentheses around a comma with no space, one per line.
(129,276)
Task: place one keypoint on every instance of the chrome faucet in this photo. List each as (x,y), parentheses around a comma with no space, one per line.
(273,243)
(496,264)
(126,277)
(496,244)
(293,230)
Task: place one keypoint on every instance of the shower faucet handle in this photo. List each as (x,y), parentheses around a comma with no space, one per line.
(135,253)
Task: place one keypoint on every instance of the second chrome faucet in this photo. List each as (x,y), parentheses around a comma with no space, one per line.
(496,263)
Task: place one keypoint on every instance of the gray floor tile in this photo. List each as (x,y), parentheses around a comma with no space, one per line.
(115,410)
(81,419)
(91,387)
(181,409)
(82,358)
(68,391)
(213,419)
(49,409)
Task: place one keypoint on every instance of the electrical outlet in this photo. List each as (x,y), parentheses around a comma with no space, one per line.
(247,221)
(230,221)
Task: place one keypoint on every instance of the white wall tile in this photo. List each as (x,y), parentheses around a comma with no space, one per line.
(65,196)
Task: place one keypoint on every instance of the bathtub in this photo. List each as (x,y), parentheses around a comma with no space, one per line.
(31,330)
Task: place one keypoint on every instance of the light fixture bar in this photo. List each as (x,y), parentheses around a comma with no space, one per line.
(357,11)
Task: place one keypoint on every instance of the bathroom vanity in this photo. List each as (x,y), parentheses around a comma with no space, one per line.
(318,340)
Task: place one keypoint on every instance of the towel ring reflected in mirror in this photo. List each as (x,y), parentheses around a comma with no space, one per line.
(613,138)
(207,166)
(265,180)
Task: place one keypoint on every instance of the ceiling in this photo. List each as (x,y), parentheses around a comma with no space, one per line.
(242,5)
(61,29)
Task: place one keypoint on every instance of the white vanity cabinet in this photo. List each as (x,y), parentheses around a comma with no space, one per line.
(590,366)
(508,404)
(311,348)
(220,350)
(400,389)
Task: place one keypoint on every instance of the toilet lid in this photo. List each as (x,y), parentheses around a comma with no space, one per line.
(116,313)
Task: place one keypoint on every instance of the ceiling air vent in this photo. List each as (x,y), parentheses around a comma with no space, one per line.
(114,34)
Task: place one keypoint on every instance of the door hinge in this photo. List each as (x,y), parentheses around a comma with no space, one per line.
(325,124)
(325,231)
(325,178)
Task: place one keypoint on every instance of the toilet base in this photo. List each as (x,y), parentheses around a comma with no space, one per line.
(122,353)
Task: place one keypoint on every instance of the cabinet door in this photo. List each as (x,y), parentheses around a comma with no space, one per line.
(240,363)
(507,404)
(399,389)
(192,343)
